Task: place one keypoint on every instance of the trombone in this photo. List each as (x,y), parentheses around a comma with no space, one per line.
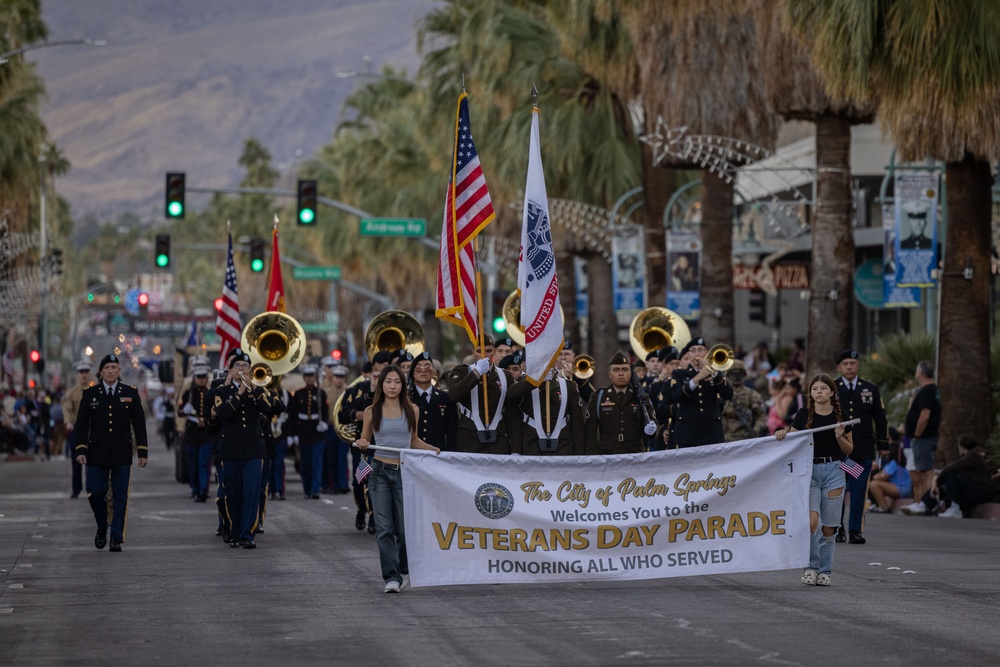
(720,358)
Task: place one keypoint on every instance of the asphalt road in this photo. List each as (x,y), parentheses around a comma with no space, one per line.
(923,591)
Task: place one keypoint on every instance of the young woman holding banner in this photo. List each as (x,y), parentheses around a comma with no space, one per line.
(392,420)
(826,490)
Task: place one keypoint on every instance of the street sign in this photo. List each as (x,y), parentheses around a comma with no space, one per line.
(393,226)
(316,272)
(319,327)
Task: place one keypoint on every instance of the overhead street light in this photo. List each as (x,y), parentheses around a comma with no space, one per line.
(45,45)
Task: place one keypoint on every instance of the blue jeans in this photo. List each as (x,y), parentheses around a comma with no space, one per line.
(826,477)
(242,481)
(97,493)
(385,488)
(204,467)
(312,466)
(278,465)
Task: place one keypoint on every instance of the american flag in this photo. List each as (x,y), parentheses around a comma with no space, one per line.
(8,365)
(852,468)
(227,324)
(362,471)
(467,210)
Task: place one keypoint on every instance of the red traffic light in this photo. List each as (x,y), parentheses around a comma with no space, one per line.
(143,299)
(335,354)
(35,356)
(218,303)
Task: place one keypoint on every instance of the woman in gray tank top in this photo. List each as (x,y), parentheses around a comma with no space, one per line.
(392,420)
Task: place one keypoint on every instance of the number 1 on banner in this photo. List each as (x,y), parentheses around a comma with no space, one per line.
(790,467)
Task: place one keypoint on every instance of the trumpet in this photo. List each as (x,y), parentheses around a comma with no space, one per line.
(720,358)
(583,366)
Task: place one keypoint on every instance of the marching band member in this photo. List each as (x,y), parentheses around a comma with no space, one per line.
(197,443)
(465,389)
(308,413)
(698,394)
(337,473)
(271,426)
(616,420)
(438,418)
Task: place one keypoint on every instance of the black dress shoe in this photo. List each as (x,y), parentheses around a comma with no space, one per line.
(234,544)
(248,544)
(359,521)
(116,546)
(75,494)
(371,524)
(101,540)
(281,496)
(841,535)
(218,533)
(856,538)
(226,537)
(314,496)
(259,530)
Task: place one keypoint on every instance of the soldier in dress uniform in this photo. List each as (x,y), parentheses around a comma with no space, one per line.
(513,364)
(269,425)
(403,359)
(654,366)
(583,385)
(438,417)
(659,395)
(699,394)
(502,348)
(352,412)
(860,399)
(71,406)
(110,414)
(214,430)
(334,383)
(547,420)
(482,428)
(239,408)
(616,421)
(308,414)
(193,408)
(744,415)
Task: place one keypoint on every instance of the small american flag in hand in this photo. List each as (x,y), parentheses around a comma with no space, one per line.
(852,468)
(362,471)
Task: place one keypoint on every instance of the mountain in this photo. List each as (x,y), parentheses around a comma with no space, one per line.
(182,84)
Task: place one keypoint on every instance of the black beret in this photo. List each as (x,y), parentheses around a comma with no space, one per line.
(383,357)
(508,341)
(404,356)
(692,343)
(511,360)
(367,367)
(239,355)
(567,345)
(655,354)
(847,354)
(668,354)
(423,356)
(619,358)
(229,355)
(108,359)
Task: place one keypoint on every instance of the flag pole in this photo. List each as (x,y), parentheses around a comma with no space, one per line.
(482,333)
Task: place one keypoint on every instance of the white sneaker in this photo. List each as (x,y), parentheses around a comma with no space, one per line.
(953,512)
(823,579)
(406,582)
(391,587)
(809,577)
(914,508)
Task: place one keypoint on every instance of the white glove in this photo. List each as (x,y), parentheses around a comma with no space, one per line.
(482,366)
(293,440)
(189,409)
(321,427)
(650,428)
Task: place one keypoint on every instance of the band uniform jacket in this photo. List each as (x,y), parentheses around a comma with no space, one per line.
(585,388)
(241,437)
(461,381)
(105,424)
(524,438)
(698,417)
(664,409)
(615,422)
(198,398)
(356,398)
(269,421)
(306,409)
(864,403)
(438,418)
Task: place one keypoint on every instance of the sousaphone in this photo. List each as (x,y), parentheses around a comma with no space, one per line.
(512,317)
(394,330)
(656,328)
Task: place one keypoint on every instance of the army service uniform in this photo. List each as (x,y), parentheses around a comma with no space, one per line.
(698,413)
(474,433)
(615,422)
(562,434)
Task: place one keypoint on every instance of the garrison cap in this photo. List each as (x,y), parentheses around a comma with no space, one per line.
(618,359)
(488,340)
(108,359)
(847,354)
(81,366)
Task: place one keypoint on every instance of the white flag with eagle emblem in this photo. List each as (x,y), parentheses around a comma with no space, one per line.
(541,315)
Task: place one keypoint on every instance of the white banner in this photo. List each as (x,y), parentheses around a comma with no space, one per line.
(482,519)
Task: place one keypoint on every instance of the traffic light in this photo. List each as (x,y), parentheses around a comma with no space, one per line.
(256,255)
(499,324)
(163,251)
(307,203)
(174,207)
(36,359)
(218,304)
(143,299)
(57,261)
(336,354)
(758,306)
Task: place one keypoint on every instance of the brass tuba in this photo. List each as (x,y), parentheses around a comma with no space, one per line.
(275,339)
(656,328)
(346,432)
(512,317)
(583,366)
(720,358)
(394,330)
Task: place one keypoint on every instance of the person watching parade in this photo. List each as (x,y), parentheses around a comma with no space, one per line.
(110,416)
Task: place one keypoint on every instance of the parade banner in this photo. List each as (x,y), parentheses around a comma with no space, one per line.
(684,274)
(916,204)
(894,296)
(628,267)
(732,507)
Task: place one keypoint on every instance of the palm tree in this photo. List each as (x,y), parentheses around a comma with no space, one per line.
(698,68)
(932,69)
(796,91)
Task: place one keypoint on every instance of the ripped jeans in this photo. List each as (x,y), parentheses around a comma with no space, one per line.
(827,478)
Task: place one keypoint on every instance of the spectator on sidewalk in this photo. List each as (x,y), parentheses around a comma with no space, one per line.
(966,482)
(892,480)
(922,422)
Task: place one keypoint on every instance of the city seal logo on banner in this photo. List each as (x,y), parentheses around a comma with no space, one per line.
(539,237)
(494,501)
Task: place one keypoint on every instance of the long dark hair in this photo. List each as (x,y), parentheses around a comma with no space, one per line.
(404,400)
(834,401)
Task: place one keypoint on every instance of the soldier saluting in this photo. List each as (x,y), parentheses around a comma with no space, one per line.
(110,412)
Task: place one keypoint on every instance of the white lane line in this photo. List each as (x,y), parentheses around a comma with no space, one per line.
(15,586)
(327,501)
(6,610)
(25,565)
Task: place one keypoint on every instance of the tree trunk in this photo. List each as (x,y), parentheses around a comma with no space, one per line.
(567,297)
(964,330)
(658,184)
(602,323)
(831,270)
(716,260)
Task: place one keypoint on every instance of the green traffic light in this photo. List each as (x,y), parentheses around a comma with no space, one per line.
(499,325)
(175,209)
(306,216)
(257,265)
(90,297)
(118,298)
(162,260)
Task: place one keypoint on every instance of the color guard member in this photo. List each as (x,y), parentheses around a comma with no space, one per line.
(547,420)
(477,433)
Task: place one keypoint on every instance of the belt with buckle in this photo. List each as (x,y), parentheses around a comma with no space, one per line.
(824,459)
(394,466)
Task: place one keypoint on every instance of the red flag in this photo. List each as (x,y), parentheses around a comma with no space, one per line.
(468,209)
(276,293)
